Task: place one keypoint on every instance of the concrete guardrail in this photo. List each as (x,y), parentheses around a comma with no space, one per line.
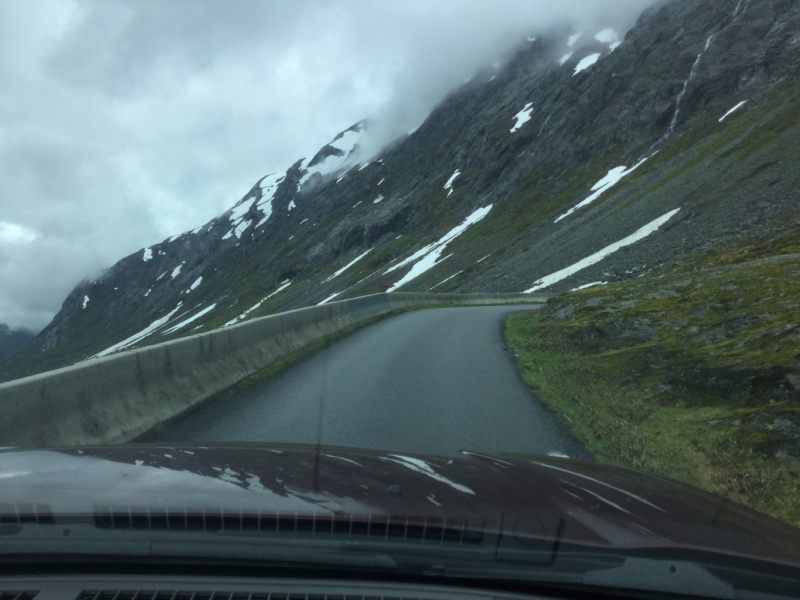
(118,397)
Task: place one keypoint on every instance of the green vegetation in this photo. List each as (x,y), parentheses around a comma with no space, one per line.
(691,371)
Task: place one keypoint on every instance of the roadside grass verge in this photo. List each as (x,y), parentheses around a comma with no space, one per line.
(691,372)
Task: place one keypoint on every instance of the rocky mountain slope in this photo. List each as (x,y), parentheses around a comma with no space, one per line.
(585,158)
(12,340)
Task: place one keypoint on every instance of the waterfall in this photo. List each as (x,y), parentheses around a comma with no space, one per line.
(692,75)
(674,120)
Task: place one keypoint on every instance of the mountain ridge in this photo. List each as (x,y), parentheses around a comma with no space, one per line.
(539,157)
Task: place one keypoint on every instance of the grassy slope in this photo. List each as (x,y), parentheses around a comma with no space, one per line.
(691,372)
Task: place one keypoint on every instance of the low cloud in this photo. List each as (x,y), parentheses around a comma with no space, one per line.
(124,122)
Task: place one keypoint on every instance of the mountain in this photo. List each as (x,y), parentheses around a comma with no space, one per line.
(12,340)
(585,158)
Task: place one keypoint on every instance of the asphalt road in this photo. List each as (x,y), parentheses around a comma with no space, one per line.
(434,381)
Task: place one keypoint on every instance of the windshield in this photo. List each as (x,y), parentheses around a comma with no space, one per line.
(498,295)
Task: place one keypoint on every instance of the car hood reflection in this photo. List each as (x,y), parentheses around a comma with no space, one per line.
(506,504)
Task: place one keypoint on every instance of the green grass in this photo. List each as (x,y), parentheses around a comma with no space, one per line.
(686,373)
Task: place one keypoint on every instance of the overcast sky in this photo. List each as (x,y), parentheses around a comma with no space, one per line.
(125,122)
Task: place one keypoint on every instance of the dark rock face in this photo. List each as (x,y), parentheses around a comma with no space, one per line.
(658,96)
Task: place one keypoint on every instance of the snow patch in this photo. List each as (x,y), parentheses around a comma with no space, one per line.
(190,319)
(588,285)
(446,280)
(85,301)
(452,179)
(611,179)
(137,337)
(269,186)
(148,253)
(637,235)
(239,229)
(378,199)
(573,38)
(329,298)
(523,116)
(346,142)
(586,63)
(196,283)
(292,205)
(241,209)
(348,265)
(283,286)
(565,58)
(176,271)
(381,181)
(733,110)
(428,257)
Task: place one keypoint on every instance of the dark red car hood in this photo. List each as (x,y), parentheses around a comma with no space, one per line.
(509,504)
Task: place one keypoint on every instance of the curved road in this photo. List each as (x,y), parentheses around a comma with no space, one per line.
(434,381)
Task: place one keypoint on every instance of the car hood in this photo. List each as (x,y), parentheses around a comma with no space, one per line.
(514,505)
